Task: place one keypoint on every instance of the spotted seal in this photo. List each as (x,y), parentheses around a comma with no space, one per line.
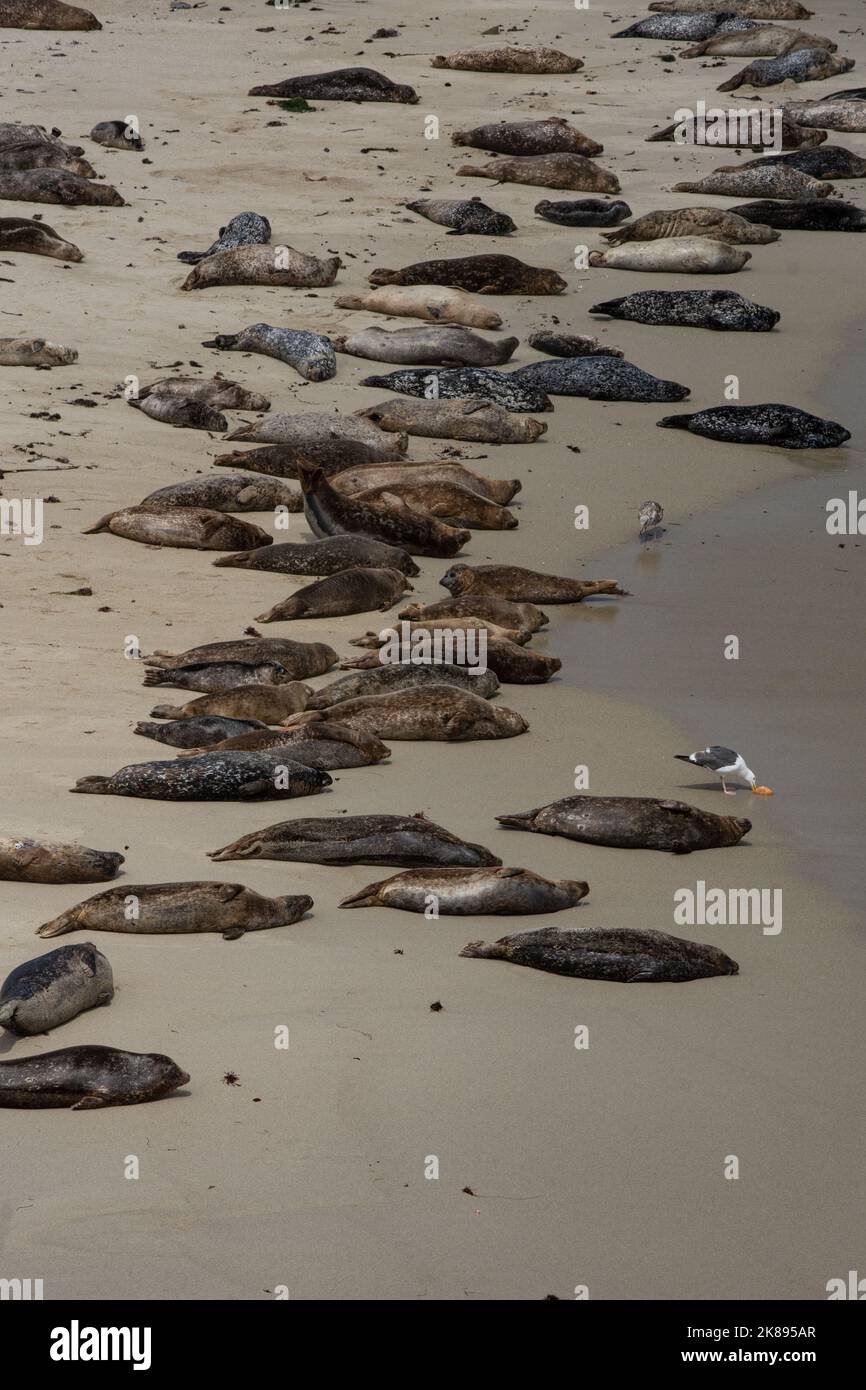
(508,389)
(311,354)
(403,841)
(550,135)
(191,528)
(233,776)
(263,265)
(349,591)
(464,215)
(327,556)
(516,58)
(42,155)
(44,993)
(439,712)
(36,238)
(200,731)
(474,418)
(88,1077)
(828,162)
(266,703)
(117,135)
(487,274)
(715,223)
(57,186)
(379,680)
(338,435)
(783,426)
(217,677)
(803,65)
(468,892)
(571,345)
(841,113)
(27,860)
(683,27)
(35,352)
(446,345)
(632,822)
(45,14)
(218,391)
(715,309)
(771,181)
(344,84)
(167,908)
(600,378)
(228,492)
(809,216)
(584,212)
(747,9)
(245,229)
(301,659)
(626,954)
(570,171)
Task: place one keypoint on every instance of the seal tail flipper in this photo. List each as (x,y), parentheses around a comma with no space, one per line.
(100,525)
(609,306)
(155,675)
(92,784)
(247,847)
(522,820)
(298,721)
(367,897)
(612,239)
(7,1014)
(481,949)
(674,422)
(191,257)
(238,560)
(58,926)
(167,712)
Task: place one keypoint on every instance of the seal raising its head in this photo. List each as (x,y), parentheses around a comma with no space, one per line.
(246,229)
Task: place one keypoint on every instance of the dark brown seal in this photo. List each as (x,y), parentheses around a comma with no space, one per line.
(491,274)
(87,1078)
(608,953)
(632,822)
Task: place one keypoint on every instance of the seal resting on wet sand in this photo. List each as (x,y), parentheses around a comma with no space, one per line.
(192,528)
(467,892)
(87,1078)
(344,84)
(262,265)
(570,171)
(36,239)
(45,14)
(628,955)
(783,426)
(519,585)
(632,822)
(445,345)
(404,841)
(311,354)
(475,419)
(464,215)
(228,908)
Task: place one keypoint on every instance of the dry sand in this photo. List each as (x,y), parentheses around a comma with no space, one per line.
(601,1167)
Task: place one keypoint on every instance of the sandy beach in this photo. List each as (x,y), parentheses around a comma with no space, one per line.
(559,1167)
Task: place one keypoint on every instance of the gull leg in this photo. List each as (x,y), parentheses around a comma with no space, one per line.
(725,789)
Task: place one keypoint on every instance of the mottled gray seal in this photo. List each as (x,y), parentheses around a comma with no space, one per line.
(743,135)
(117,135)
(495,610)
(182,412)
(685,255)
(87,1078)
(262,265)
(302,659)
(469,892)
(267,776)
(329,513)
(523,585)
(600,378)
(45,14)
(724,310)
(445,345)
(487,274)
(348,591)
(828,162)
(571,171)
(216,677)
(584,212)
(313,430)
(322,557)
(36,238)
(404,841)
(266,703)
(464,215)
(411,635)
(57,186)
(516,58)
(201,731)
(344,84)
(771,181)
(443,713)
(682,27)
(46,992)
(355,480)
(841,113)
(228,492)
(450,500)
(325,746)
(511,663)
(25,860)
(571,345)
(311,354)
(632,822)
(19,133)
(507,389)
(228,908)
(42,155)
(783,426)
(763,41)
(715,223)
(246,229)
(331,455)
(218,391)
(434,303)
(803,65)
(809,216)
(625,954)
(190,528)
(35,352)
(379,680)
(748,9)
(474,419)
(550,135)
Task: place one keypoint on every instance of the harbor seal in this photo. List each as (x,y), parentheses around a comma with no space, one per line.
(446,345)
(686,255)
(632,822)
(517,58)
(332,456)
(809,216)
(246,229)
(600,379)
(682,27)
(190,528)
(228,492)
(828,162)
(35,352)
(337,435)
(45,14)
(311,354)
(494,610)
(349,591)
(42,155)
(403,841)
(474,419)
(36,239)
(322,557)
(802,65)
(217,391)
(772,181)
(464,215)
(747,9)
(182,412)
(267,776)
(571,345)
(380,680)
(217,677)
(328,747)
(723,310)
(511,663)
(200,731)
(301,659)
(432,303)
(584,212)
(87,1078)
(469,892)
(25,860)
(572,171)
(266,703)
(344,84)
(768,41)
(625,954)
(715,223)
(19,133)
(550,135)
(424,631)
(117,135)
(742,135)
(507,389)
(329,513)
(442,713)
(167,908)
(355,480)
(839,114)
(57,186)
(487,274)
(450,501)
(44,993)
(523,585)
(783,426)
(262,265)
(849,94)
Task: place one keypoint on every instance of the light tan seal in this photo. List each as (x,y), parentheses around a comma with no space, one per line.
(452,502)
(268,703)
(687,255)
(432,303)
(25,860)
(473,419)
(263,265)
(520,58)
(187,528)
(35,352)
(572,171)
(767,42)
(467,892)
(445,345)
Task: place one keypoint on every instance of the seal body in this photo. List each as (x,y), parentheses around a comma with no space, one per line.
(608,953)
(183,412)
(349,591)
(437,302)
(840,113)
(44,993)
(444,345)
(442,713)
(355,480)
(301,659)
(714,223)
(213,776)
(329,513)
(263,265)
(551,135)
(584,212)
(686,255)
(572,171)
(783,426)
(189,528)
(508,389)
(344,84)
(600,378)
(117,135)
(166,908)
(770,181)
(464,215)
(489,274)
(42,155)
(216,677)
(327,556)
(23,860)
(202,731)
(217,391)
(768,41)
(87,1078)
(404,841)
(475,418)
(794,136)
(571,345)
(57,186)
(632,822)
(339,436)
(518,58)
(379,680)
(495,610)
(246,229)
(45,14)
(229,492)
(264,703)
(451,501)
(828,162)
(311,354)
(802,65)
(36,238)
(35,352)
(813,215)
(723,310)
(681,27)
(748,9)
(522,585)
(467,892)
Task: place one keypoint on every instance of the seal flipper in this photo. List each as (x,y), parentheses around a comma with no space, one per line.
(92,784)
(252,791)
(367,897)
(480,949)
(89,1103)
(521,819)
(233,933)
(102,523)
(674,422)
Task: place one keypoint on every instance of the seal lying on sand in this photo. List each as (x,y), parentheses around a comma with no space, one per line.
(494,610)
(44,993)
(608,953)
(13,133)
(571,345)
(522,585)
(267,776)
(344,84)
(45,14)
(117,135)
(803,65)
(229,908)
(189,528)
(840,113)
(450,501)
(443,345)
(329,513)
(302,659)
(794,137)
(281,460)
(36,239)
(182,412)
(572,171)
(229,492)
(311,354)
(599,379)
(467,892)
(511,663)
(203,731)
(246,229)
(379,680)
(327,556)
(632,822)
(519,58)
(717,309)
(766,41)
(685,255)
(404,841)
(216,677)
(457,383)
(748,9)
(439,303)
(771,181)
(474,419)
(217,391)
(43,155)
(828,162)
(583,212)
(262,265)
(550,135)
(87,1078)
(487,274)
(413,473)
(439,712)
(349,591)
(336,434)
(715,223)
(57,186)
(809,216)
(783,426)
(464,215)
(35,352)
(326,746)
(266,703)
(683,27)
(23,860)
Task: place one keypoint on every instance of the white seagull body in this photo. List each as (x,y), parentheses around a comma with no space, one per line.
(723,761)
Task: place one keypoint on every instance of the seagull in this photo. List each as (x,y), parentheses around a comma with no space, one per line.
(650,516)
(727,763)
